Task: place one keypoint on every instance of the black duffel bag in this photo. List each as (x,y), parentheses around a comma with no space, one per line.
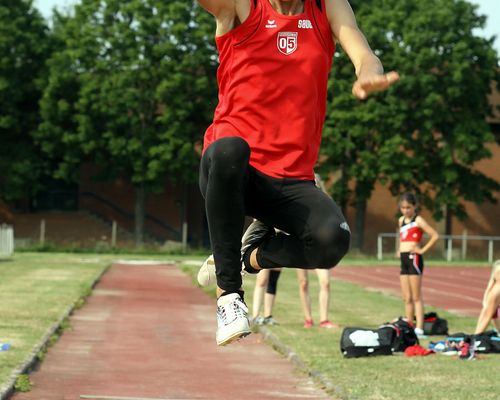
(405,334)
(486,342)
(362,342)
(433,325)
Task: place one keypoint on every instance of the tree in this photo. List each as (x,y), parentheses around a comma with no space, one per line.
(427,132)
(24,48)
(128,90)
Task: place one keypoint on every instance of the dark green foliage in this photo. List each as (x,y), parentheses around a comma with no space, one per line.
(128,89)
(24,48)
(426,133)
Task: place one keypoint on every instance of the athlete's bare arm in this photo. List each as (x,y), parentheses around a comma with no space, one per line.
(492,302)
(228,13)
(434,236)
(369,70)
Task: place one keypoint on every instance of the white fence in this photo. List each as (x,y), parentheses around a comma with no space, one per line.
(449,249)
(6,240)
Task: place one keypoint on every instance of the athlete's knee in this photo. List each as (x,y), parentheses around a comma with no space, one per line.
(330,243)
(303,284)
(230,156)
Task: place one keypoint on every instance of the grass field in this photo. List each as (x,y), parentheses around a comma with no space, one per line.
(436,377)
(36,288)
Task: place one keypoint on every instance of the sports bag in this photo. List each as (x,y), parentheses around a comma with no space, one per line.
(404,334)
(433,325)
(487,342)
(362,342)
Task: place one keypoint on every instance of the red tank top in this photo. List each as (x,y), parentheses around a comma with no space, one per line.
(410,232)
(272,79)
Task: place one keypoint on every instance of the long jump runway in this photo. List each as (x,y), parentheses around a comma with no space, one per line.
(456,289)
(147,333)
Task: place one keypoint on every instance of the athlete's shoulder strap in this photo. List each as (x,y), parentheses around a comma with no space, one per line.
(320,6)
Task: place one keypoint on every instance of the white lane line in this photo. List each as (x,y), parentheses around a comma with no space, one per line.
(393,286)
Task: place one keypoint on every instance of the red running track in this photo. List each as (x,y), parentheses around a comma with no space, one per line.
(456,289)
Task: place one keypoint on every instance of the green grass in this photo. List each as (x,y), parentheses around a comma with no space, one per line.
(35,290)
(376,378)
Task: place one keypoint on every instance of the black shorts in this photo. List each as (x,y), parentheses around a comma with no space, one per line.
(412,264)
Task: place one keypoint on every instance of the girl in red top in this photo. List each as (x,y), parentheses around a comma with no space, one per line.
(260,150)
(411,228)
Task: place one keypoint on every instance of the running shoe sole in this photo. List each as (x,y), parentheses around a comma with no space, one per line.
(233,338)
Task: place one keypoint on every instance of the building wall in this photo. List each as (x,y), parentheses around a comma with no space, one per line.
(166,207)
(483,219)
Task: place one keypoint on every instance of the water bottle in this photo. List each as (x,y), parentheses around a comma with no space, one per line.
(4,346)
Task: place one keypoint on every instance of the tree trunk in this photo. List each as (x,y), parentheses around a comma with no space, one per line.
(140,195)
(344,198)
(184,217)
(448,218)
(360,223)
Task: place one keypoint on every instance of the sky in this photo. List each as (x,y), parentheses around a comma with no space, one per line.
(490,8)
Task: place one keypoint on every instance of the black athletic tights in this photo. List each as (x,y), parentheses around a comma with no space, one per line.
(317,234)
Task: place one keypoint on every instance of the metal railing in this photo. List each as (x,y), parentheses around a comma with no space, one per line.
(6,240)
(449,249)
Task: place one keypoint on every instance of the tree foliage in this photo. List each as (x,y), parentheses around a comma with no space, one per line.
(128,89)
(427,132)
(24,48)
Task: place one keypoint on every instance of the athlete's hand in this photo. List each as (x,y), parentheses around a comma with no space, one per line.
(367,84)
(418,250)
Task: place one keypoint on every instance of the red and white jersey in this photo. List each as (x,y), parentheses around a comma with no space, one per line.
(272,77)
(410,231)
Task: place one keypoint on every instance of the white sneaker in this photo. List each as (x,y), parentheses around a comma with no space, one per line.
(232,319)
(206,274)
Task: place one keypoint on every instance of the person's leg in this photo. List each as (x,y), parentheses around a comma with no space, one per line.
(418,302)
(261,282)
(407,299)
(305,299)
(416,271)
(496,321)
(324,297)
(489,308)
(270,296)
(317,235)
(223,177)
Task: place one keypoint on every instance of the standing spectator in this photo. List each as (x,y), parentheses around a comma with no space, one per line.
(324,297)
(411,228)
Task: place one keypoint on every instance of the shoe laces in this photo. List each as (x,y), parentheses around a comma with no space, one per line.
(232,311)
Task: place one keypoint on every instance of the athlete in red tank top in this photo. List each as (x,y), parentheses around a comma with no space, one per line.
(411,228)
(259,152)
(273,77)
